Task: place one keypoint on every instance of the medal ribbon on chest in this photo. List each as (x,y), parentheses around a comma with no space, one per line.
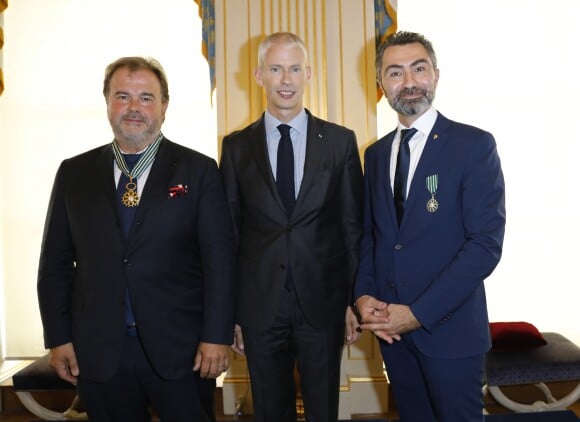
(130,197)
(432,182)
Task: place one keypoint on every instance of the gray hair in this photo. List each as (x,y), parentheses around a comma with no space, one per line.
(286,38)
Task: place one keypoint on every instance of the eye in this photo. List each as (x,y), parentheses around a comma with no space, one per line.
(420,69)
(275,69)
(146,99)
(123,98)
(393,74)
(296,69)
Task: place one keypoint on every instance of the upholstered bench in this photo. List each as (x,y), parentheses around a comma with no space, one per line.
(558,360)
(40,376)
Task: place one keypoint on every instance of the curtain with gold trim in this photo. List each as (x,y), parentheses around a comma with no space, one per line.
(207,15)
(385,24)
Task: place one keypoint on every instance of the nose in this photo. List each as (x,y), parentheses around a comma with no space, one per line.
(408,78)
(134,103)
(286,76)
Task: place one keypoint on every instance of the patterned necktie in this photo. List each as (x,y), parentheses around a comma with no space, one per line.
(285,170)
(126,215)
(402,172)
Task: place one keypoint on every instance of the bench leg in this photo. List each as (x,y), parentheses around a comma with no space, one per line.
(46,414)
(539,406)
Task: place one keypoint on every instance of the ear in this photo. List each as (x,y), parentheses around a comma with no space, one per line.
(436,76)
(258,76)
(380,85)
(308,72)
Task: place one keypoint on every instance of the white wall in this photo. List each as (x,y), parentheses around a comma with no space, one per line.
(506,66)
(509,67)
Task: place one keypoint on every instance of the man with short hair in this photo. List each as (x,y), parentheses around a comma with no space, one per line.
(434,223)
(135,281)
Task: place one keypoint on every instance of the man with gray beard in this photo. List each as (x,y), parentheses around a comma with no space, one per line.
(434,222)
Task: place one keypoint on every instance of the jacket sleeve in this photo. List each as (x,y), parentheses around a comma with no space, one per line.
(56,268)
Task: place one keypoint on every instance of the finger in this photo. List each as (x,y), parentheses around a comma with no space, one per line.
(73,367)
(353,338)
(239,351)
(240,340)
(197,362)
(64,373)
(383,335)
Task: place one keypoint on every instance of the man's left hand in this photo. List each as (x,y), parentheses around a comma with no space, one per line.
(211,360)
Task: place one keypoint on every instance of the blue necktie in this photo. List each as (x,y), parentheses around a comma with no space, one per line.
(285,170)
(402,172)
(126,215)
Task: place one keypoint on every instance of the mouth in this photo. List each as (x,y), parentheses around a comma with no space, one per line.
(133,120)
(286,94)
(412,95)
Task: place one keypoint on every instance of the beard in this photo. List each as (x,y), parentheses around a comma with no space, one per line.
(412,107)
(132,134)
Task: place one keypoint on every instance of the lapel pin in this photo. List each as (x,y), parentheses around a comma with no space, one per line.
(435,136)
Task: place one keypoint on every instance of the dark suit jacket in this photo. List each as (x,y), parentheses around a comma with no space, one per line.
(321,238)
(177,262)
(436,261)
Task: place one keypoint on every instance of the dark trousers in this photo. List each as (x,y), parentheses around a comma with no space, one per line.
(272,354)
(135,388)
(428,389)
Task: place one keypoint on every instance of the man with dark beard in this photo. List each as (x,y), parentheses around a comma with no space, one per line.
(434,222)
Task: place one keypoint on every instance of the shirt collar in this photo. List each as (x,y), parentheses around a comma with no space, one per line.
(299,123)
(423,124)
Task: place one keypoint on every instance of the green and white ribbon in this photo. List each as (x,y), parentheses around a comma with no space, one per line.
(432,182)
(145,160)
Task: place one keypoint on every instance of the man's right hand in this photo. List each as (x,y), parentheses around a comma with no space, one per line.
(64,360)
(374,311)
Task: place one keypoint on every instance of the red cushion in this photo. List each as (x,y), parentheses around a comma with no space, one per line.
(515,336)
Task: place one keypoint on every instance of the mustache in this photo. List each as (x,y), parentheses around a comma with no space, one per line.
(134,115)
(412,91)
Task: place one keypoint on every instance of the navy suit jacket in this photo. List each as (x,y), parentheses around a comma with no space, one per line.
(320,240)
(177,262)
(436,262)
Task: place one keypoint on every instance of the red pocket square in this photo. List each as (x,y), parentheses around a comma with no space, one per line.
(178,190)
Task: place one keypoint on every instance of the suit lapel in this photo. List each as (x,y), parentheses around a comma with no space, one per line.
(259,150)
(101,182)
(316,151)
(384,166)
(155,189)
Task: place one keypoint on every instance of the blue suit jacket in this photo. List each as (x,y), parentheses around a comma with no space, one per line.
(436,262)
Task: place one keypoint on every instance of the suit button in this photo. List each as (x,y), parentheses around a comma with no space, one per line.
(398,247)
